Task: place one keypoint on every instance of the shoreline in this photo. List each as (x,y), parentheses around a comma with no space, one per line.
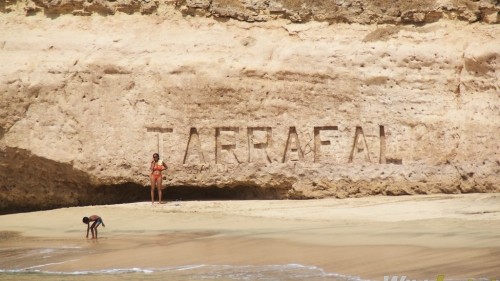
(417,236)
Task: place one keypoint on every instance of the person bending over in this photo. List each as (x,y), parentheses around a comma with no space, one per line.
(97,220)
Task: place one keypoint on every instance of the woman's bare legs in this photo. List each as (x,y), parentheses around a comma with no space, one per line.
(153,182)
(159,189)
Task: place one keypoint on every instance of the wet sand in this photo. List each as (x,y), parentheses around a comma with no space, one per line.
(417,236)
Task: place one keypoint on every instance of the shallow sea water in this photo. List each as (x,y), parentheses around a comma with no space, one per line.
(289,272)
(19,263)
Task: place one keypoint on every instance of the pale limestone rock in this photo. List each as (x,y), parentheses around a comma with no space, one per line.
(269,110)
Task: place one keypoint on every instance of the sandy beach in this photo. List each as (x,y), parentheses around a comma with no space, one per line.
(420,237)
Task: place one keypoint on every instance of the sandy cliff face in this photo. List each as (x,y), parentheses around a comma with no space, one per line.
(247,99)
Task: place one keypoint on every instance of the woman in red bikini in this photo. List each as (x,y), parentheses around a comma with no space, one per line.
(156,177)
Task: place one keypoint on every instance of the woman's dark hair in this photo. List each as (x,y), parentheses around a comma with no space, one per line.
(156,154)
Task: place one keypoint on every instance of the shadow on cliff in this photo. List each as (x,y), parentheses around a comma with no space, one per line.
(237,192)
(31,183)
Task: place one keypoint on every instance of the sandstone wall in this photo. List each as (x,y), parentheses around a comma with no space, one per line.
(246,99)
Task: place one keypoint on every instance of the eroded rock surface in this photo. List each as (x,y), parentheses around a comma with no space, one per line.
(246,99)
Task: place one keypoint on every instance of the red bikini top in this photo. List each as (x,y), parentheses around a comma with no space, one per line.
(158,167)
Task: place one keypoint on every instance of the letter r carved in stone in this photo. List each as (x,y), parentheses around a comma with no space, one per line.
(259,139)
(225,143)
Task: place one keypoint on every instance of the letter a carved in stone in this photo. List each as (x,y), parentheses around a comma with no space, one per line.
(293,152)
(359,146)
(193,149)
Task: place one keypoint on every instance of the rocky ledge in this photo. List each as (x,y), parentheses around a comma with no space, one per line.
(332,11)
